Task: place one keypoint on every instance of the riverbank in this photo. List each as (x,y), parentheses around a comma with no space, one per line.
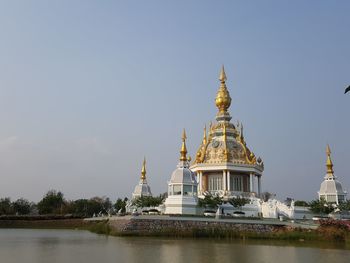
(44,222)
(187,227)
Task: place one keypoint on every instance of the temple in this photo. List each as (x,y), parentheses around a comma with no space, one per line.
(331,189)
(224,164)
(182,187)
(142,189)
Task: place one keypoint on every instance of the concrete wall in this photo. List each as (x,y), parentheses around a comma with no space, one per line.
(173,226)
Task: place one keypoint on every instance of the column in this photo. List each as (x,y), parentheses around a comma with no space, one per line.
(228,181)
(253,177)
(259,185)
(224,180)
(251,182)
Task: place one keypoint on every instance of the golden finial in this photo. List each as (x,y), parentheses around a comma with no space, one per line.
(222,76)
(223,99)
(143,170)
(329,163)
(183,151)
(204,142)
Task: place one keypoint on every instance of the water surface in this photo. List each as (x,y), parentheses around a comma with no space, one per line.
(64,246)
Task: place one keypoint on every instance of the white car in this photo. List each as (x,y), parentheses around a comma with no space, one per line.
(210,213)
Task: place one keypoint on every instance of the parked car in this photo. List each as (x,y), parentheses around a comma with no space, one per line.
(210,213)
(153,212)
(238,214)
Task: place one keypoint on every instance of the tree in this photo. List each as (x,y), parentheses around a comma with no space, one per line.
(148,201)
(238,201)
(52,203)
(321,207)
(210,201)
(120,204)
(22,206)
(301,203)
(344,206)
(6,207)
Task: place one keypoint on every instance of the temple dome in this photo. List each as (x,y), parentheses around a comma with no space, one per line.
(183,175)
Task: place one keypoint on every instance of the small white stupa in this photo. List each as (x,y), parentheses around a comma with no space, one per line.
(331,189)
(142,189)
(182,187)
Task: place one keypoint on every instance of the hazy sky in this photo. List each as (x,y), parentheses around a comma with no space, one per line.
(87,88)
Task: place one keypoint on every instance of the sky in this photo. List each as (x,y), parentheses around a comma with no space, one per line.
(88,88)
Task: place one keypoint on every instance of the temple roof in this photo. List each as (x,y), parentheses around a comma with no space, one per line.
(225,142)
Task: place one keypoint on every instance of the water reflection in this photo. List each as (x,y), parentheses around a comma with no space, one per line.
(63,246)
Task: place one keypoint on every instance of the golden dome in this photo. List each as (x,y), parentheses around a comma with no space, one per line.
(223,99)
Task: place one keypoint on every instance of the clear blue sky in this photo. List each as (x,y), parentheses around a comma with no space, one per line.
(87,88)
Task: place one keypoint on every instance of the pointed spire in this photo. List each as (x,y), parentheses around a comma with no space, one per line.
(222,76)
(329,163)
(204,142)
(223,99)
(143,170)
(183,152)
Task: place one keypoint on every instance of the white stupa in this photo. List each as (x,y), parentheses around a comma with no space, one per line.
(142,189)
(331,189)
(182,187)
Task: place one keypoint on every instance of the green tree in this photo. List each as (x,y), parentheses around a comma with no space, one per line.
(210,201)
(148,201)
(80,207)
(52,203)
(344,206)
(321,207)
(22,206)
(301,203)
(120,204)
(238,201)
(6,206)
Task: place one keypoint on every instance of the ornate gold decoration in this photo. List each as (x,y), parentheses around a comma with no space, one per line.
(143,170)
(329,163)
(223,99)
(224,143)
(205,135)
(226,150)
(183,151)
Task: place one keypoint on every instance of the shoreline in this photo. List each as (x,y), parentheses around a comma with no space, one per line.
(185,227)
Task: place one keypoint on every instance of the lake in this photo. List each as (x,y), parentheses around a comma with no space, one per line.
(64,246)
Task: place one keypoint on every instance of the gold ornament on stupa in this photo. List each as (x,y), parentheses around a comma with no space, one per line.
(143,170)
(223,99)
(329,163)
(183,151)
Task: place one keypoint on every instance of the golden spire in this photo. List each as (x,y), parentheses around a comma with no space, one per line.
(222,76)
(143,170)
(183,151)
(204,142)
(329,163)
(223,99)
